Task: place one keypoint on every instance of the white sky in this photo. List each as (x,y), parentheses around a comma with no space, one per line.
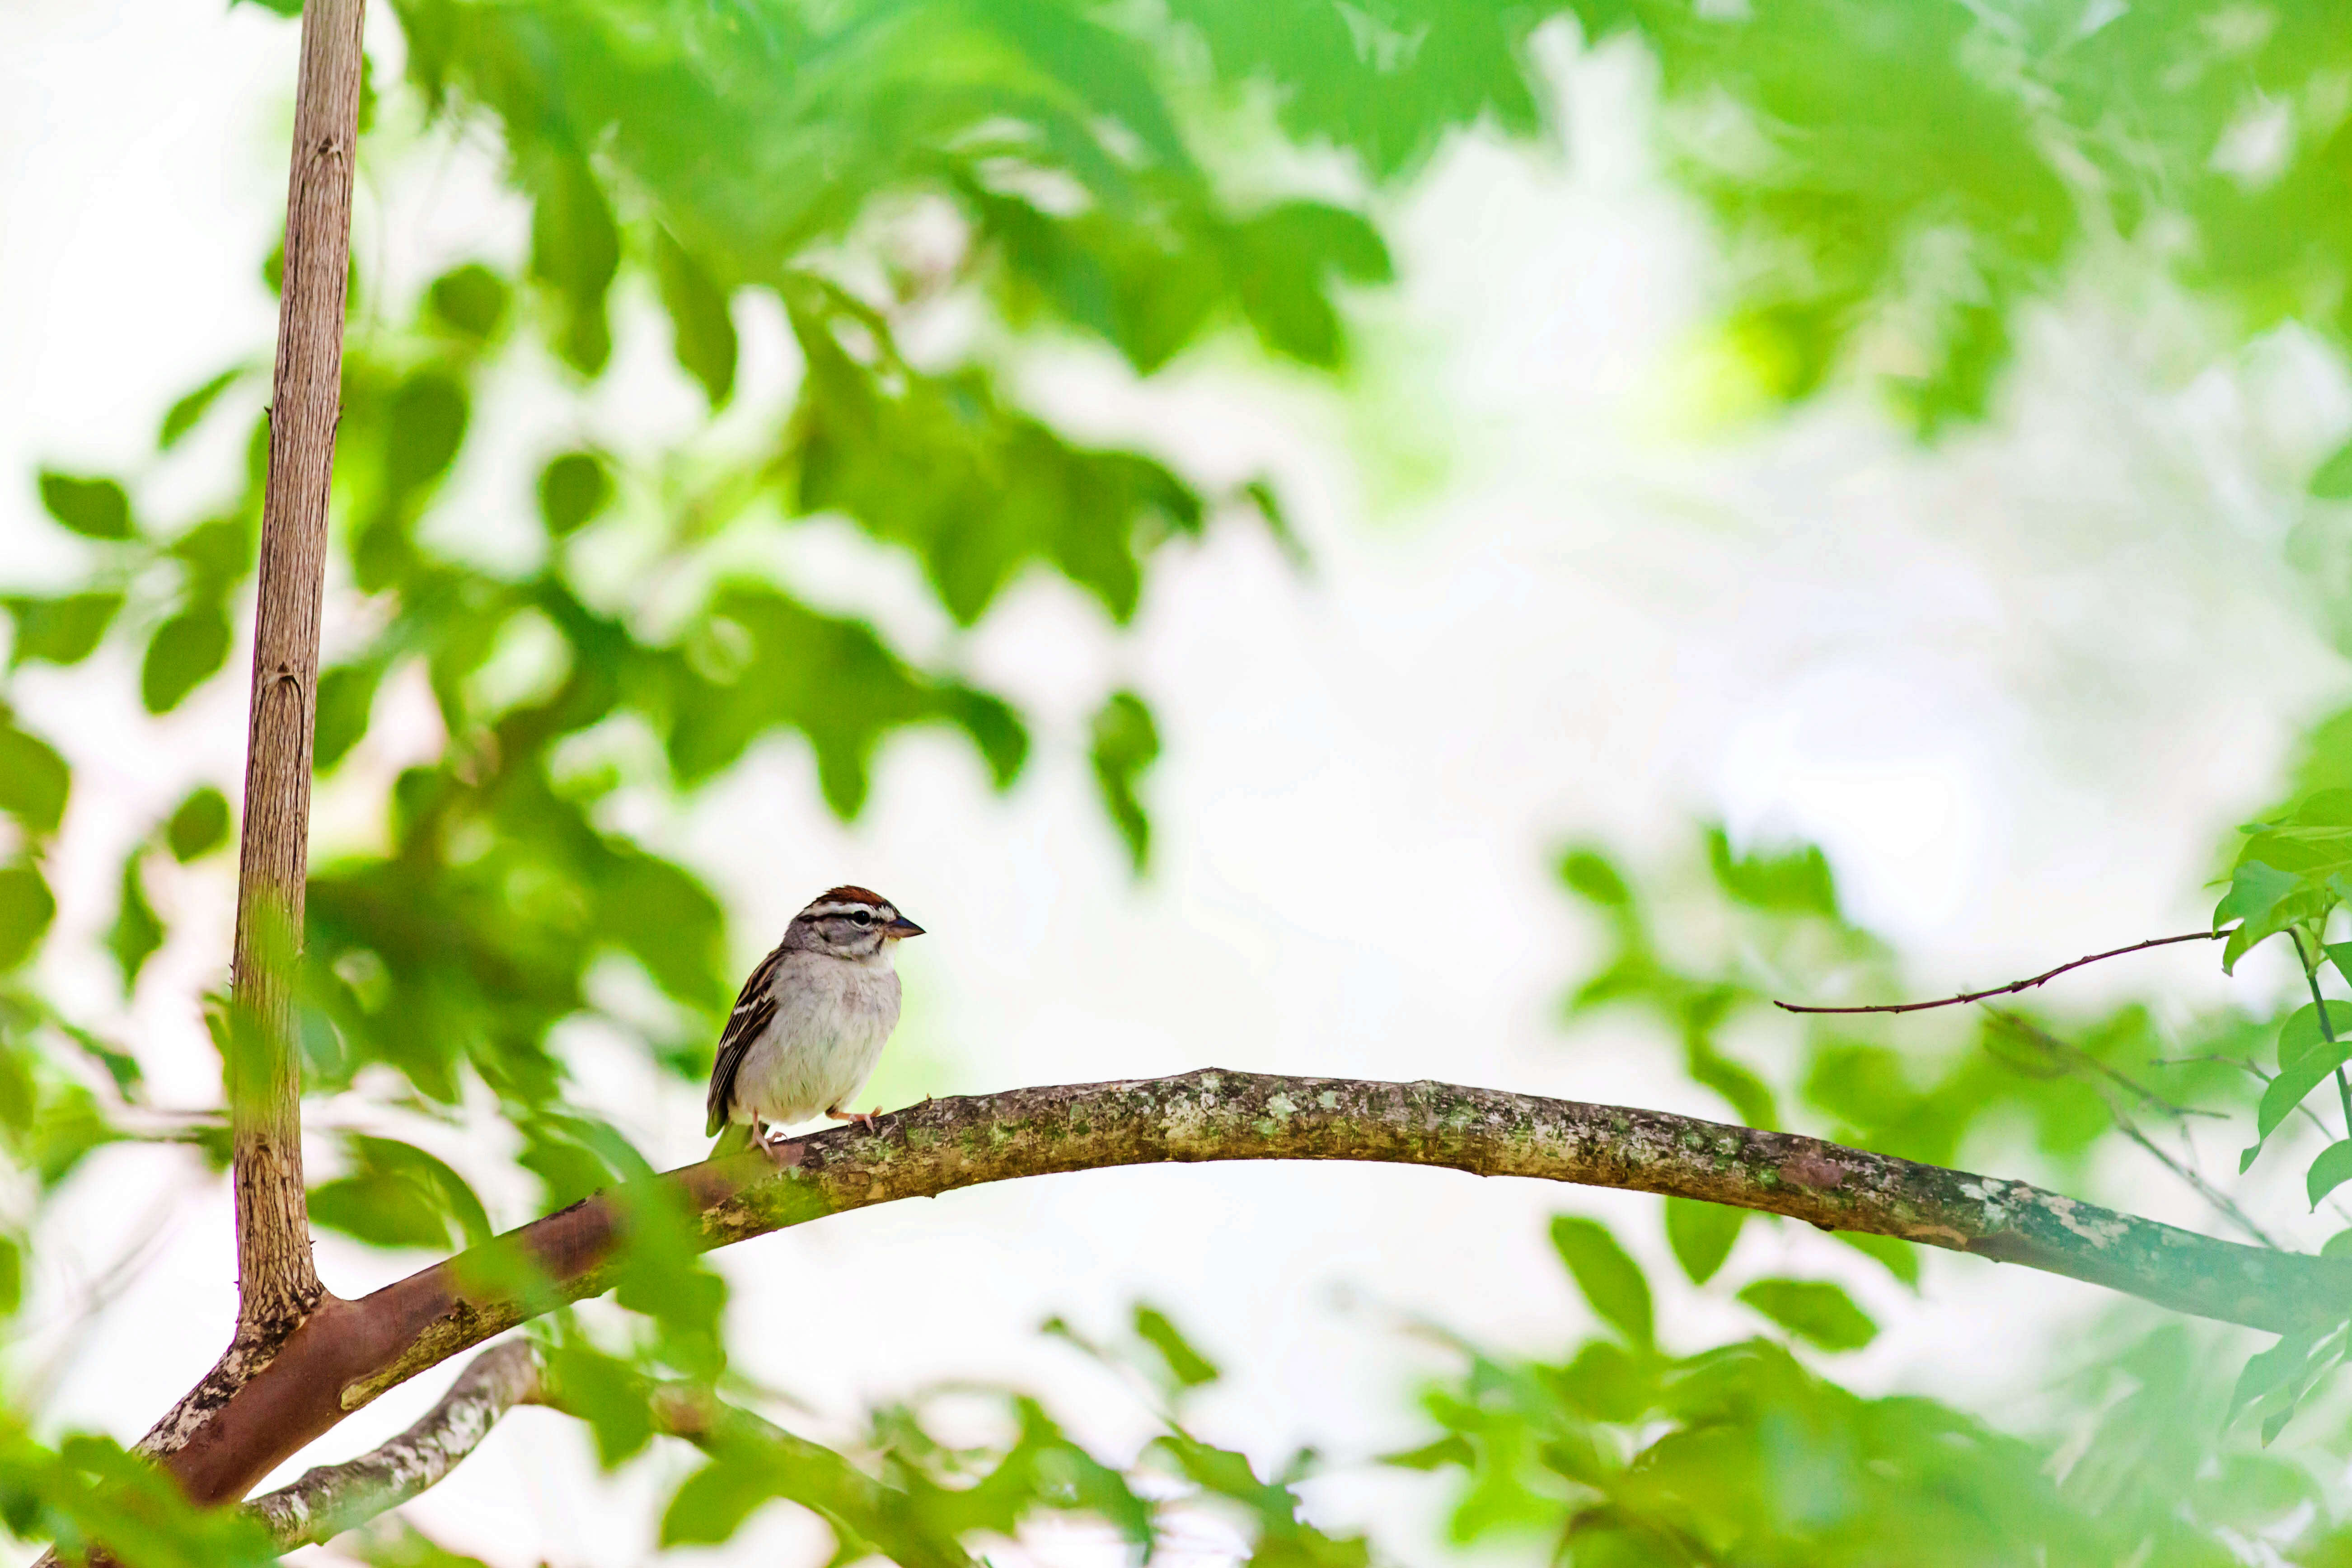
(2002,681)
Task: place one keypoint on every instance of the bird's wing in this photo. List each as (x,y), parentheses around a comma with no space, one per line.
(753,1010)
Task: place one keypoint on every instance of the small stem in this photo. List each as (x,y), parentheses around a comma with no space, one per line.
(2326,1029)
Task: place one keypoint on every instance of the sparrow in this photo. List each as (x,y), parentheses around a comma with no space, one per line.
(813,1017)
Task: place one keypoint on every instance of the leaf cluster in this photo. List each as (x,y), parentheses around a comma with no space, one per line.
(1626,1453)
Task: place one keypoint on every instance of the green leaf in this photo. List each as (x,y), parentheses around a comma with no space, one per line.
(185,651)
(63,630)
(1794,880)
(2332,481)
(603,1392)
(1284,259)
(2304,1033)
(1187,1365)
(12,1275)
(2285,1092)
(703,329)
(218,555)
(2256,892)
(95,509)
(1126,742)
(713,1502)
(2329,1172)
(395,1194)
(424,425)
(1594,878)
(572,488)
(1611,1282)
(198,824)
(190,410)
(575,250)
(25,910)
(2272,1371)
(1702,1234)
(471,300)
(346,700)
(34,779)
(1898,1257)
(136,932)
(1813,1310)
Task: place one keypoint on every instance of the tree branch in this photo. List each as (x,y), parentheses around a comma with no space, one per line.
(347,1353)
(2026,985)
(277,1282)
(332,1499)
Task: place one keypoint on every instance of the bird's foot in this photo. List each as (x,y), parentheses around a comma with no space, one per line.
(865,1118)
(777,1147)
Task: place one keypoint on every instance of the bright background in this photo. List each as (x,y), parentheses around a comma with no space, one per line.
(1566,583)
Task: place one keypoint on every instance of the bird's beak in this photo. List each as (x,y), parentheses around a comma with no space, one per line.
(902,928)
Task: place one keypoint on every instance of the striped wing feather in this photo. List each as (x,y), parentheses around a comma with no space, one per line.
(754,1008)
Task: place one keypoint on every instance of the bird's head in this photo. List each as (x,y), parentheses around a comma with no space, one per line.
(849,922)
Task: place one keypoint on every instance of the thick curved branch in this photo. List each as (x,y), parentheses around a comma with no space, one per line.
(350,1351)
(332,1499)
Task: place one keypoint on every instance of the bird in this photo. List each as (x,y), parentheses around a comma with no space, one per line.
(811,1019)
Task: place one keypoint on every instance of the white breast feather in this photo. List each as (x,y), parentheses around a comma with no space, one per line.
(832,1018)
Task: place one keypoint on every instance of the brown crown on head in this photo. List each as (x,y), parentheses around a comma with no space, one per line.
(847,895)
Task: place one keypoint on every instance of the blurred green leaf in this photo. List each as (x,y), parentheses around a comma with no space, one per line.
(2332,481)
(1898,1257)
(25,910)
(136,932)
(1611,1282)
(346,700)
(64,630)
(423,427)
(572,488)
(1814,1310)
(395,1194)
(575,250)
(2330,1171)
(35,781)
(712,1503)
(198,824)
(1126,743)
(189,412)
(1702,1235)
(1795,880)
(1593,878)
(95,509)
(470,300)
(703,329)
(604,1393)
(218,555)
(185,651)
(1187,1365)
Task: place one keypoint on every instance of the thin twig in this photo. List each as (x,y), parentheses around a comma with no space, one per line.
(2223,1203)
(2067,1048)
(2326,1029)
(2013,985)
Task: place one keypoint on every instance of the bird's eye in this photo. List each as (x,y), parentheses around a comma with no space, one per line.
(863,918)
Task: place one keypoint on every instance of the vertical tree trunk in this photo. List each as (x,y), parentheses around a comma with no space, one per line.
(276,1283)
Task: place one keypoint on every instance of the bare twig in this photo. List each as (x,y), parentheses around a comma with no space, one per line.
(347,1353)
(2223,1203)
(2017,1024)
(2014,986)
